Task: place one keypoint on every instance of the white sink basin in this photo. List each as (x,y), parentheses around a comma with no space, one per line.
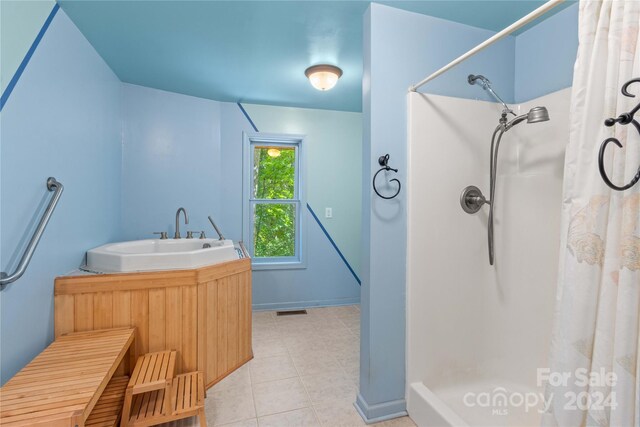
(156,254)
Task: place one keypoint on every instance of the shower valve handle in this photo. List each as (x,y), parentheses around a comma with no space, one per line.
(472,199)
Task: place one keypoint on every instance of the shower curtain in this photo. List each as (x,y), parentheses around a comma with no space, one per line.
(594,361)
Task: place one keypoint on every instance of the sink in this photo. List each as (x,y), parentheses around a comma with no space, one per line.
(157,254)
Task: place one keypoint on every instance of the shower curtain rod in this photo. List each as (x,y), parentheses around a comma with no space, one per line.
(510,29)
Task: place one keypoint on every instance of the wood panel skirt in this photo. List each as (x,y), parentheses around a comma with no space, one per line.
(204,314)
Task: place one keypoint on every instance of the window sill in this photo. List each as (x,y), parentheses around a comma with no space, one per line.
(275,265)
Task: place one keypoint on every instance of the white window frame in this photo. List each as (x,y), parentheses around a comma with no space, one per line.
(249,141)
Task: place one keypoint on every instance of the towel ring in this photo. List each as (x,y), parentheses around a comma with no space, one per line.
(623,119)
(383,161)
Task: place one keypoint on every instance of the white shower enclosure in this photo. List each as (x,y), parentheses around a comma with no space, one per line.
(478,336)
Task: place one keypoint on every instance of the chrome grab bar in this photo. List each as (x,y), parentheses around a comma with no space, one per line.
(5,279)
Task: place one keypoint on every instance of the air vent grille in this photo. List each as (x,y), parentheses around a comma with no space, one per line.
(290,312)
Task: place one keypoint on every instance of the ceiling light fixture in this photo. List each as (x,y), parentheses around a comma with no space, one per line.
(273,152)
(323,77)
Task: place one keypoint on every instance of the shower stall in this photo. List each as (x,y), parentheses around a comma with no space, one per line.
(478,335)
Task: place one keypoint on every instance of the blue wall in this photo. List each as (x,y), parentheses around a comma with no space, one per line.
(400,49)
(171,158)
(20,23)
(333,141)
(63,120)
(180,150)
(326,280)
(545,55)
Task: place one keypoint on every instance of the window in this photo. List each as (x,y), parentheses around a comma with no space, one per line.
(273,200)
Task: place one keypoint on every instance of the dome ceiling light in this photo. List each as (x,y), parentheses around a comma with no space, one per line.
(323,77)
(273,152)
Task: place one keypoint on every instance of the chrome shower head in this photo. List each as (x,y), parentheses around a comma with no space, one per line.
(537,115)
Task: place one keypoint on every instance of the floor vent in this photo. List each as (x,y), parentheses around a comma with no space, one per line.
(290,312)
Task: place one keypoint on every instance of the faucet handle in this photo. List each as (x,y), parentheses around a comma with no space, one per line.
(202,235)
(190,234)
(163,234)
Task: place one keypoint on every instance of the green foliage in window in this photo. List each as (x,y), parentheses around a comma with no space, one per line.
(274,223)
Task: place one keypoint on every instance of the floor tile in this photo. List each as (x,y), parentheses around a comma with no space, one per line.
(303,343)
(330,323)
(324,388)
(272,368)
(280,396)
(342,414)
(396,422)
(299,418)
(296,328)
(350,363)
(342,347)
(319,312)
(252,422)
(238,378)
(316,363)
(343,310)
(323,335)
(187,422)
(305,372)
(355,379)
(260,321)
(351,321)
(268,347)
(265,330)
(229,405)
(263,315)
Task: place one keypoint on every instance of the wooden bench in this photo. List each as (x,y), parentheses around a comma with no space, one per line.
(63,384)
(107,411)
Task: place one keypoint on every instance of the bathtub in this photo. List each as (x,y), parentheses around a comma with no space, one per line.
(159,254)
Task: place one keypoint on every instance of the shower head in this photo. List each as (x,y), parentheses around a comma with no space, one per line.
(535,115)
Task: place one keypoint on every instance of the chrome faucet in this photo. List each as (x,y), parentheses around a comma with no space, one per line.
(186,221)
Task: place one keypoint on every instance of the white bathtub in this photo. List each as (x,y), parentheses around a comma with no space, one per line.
(156,254)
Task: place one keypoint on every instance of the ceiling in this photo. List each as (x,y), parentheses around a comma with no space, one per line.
(253,51)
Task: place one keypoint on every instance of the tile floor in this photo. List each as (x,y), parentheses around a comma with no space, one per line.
(304,373)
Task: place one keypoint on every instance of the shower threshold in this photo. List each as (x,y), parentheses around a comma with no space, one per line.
(480,403)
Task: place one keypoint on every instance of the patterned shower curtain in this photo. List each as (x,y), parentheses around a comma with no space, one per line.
(594,353)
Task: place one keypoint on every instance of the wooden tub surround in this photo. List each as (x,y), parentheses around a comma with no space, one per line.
(203,314)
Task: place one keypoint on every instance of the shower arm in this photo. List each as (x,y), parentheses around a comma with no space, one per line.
(505,110)
(486,85)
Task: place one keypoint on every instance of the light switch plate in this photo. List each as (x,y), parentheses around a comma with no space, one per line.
(328,213)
